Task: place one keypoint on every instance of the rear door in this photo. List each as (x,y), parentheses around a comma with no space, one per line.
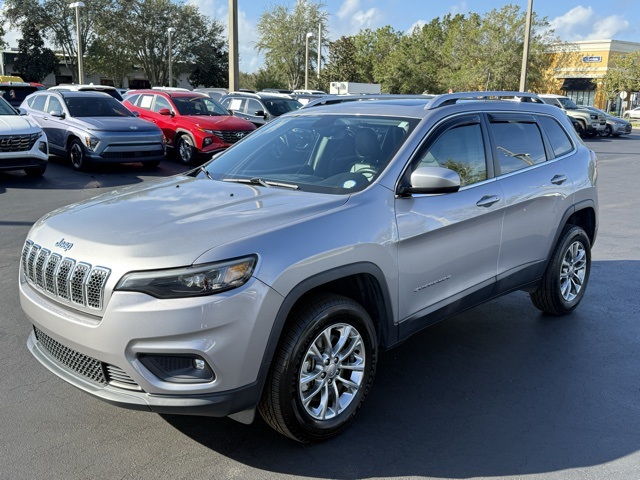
(532,171)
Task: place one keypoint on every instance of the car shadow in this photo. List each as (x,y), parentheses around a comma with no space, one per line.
(498,390)
(61,176)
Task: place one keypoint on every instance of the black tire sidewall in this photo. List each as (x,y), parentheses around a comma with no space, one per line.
(347,312)
(84,163)
(571,235)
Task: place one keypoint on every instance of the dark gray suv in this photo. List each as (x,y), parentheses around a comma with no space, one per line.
(261,107)
(93,127)
(269,278)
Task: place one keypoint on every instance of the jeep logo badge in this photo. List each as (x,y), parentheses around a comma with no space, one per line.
(66,246)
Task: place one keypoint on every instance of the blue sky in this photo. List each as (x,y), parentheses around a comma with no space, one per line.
(572,20)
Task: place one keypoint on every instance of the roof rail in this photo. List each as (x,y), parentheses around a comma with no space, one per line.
(452,98)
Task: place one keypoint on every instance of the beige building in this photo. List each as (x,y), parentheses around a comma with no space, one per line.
(577,67)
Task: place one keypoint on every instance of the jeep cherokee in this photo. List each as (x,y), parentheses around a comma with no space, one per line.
(270,277)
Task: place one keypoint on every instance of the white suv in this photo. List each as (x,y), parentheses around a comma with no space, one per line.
(270,277)
(23,144)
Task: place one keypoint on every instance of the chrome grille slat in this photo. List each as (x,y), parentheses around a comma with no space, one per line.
(231,136)
(64,278)
(88,367)
(17,143)
(120,378)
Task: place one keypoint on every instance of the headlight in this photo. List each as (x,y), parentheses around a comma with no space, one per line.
(193,281)
(594,117)
(91,142)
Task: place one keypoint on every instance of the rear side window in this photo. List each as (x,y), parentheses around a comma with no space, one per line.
(519,145)
(37,102)
(560,141)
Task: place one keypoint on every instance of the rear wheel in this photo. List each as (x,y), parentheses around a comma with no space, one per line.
(565,280)
(322,371)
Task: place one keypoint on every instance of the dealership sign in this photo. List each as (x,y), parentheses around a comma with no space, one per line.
(592,59)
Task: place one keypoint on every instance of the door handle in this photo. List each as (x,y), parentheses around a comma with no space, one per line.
(559,179)
(488,200)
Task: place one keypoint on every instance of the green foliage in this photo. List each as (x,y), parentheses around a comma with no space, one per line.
(283,37)
(34,61)
(458,52)
(623,75)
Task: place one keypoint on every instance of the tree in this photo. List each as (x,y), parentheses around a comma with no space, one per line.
(34,61)
(57,23)
(623,75)
(283,37)
(211,60)
(341,66)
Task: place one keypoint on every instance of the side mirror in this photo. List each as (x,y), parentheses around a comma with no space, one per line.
(165,111)
(432,180)
(57,113)
(259,113)
(230,111)
(20,111)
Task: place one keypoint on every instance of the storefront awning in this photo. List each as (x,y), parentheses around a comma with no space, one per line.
(578,85)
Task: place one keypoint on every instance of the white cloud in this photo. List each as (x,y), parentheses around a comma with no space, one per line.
(582,23)
(348,8)
(351,18)
(462,7)
(419,24)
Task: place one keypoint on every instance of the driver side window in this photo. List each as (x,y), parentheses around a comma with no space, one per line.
(461,149)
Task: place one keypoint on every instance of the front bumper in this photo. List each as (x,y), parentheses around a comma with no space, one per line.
(222,329)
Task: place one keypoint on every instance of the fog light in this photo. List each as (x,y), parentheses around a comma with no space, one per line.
(42,146)
(178,368)
(199,364)
(208,141)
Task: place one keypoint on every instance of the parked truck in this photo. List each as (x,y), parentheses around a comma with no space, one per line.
(338,88)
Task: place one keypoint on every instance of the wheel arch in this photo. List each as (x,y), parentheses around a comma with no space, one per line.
(583,215)
(362,282)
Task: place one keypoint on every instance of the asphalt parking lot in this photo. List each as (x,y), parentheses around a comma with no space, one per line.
(499,392)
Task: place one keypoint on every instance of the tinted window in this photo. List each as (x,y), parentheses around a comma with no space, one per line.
(558,138)
(5,108)
(54,105)
(460,149)
(281,106)
(161,102)
(519,145)
(96,106)
(16,94)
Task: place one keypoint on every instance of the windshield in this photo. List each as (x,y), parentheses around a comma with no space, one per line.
(567,103)
(198,106)
(281,106)
(5,108)
(96,106)
(322,153)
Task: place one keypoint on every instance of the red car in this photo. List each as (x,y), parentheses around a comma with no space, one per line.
(194,125)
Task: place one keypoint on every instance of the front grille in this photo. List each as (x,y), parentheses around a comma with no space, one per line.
(137,154)
(231,136)
(65,279)
(18,143)
(84,365)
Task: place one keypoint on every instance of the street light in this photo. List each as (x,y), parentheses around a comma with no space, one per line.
(77,6)
(306,63)
(170,30)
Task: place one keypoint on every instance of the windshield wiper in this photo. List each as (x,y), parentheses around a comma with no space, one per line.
(261,182)
(201,169)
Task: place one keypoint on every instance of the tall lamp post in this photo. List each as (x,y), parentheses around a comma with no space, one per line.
(170,30)
(525,49)
(306,63)
(77,6)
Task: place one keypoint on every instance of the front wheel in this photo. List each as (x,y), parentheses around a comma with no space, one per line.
(322,371)
(186,150)
(606,132)
(77,156)
(565,280)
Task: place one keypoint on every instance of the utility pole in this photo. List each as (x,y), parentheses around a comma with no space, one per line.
(525,49)
(319,47)
(234,69)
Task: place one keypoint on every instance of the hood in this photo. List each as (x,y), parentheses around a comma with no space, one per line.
(171,222)
(116,124)
(218,122)
(17,124)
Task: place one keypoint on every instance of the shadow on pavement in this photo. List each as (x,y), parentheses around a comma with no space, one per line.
(498,390)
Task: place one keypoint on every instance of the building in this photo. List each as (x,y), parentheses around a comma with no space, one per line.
(576,68)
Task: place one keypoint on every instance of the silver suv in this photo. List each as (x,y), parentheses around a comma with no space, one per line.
(271,276)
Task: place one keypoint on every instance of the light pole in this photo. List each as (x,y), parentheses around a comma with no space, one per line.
(525,49)
(77,6)
(306,63)
(170,30)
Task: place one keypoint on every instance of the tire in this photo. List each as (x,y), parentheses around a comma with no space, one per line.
(77,155)
(567,274)
(35,171)
(151,164)
(310,400)
(185,150)
(606,132)
(580,129)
